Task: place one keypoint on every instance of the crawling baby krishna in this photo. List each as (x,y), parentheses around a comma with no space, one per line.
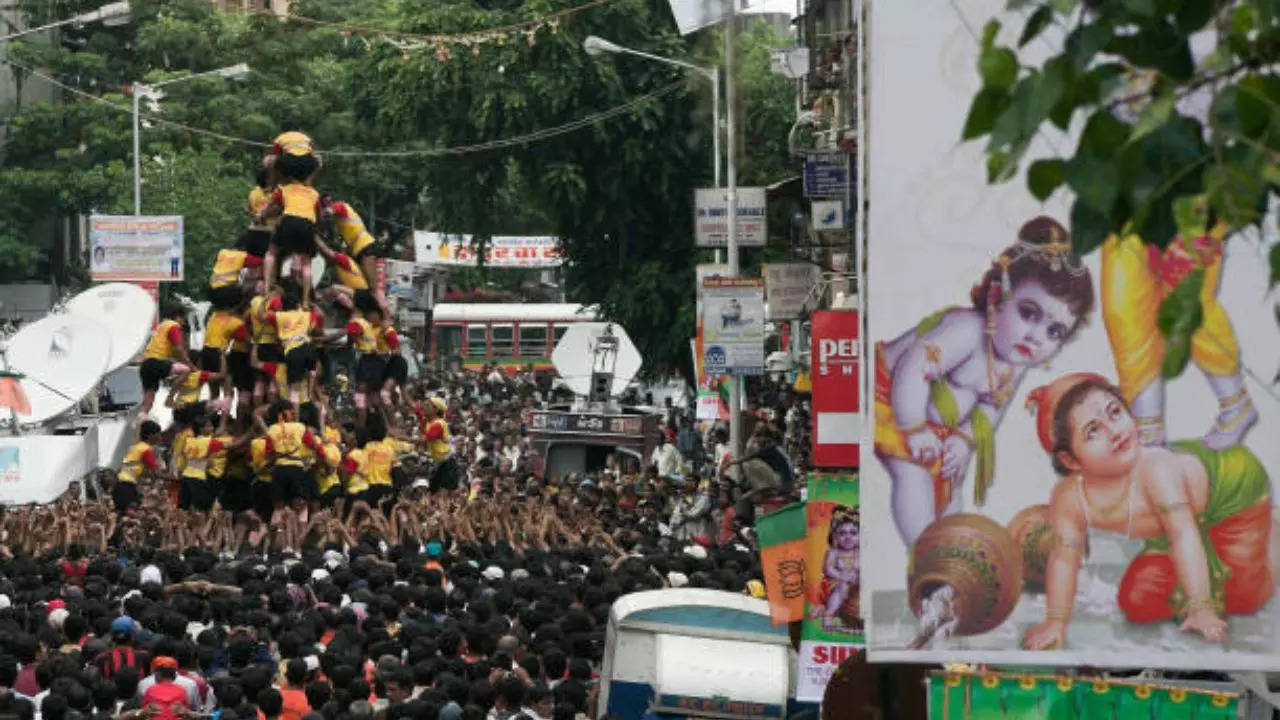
(1205,515)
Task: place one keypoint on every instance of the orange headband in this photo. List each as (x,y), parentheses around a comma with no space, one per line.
(1043,401)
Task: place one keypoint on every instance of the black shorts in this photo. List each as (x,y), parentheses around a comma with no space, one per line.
(298,362)
(399,480)
(330,497)
(397,369)
(297,167)
(125,495)
(375,493)
(445,475)
(369,371)
(235,495)
(292,481)
(226,297)
(196,494)
(210,359)
(364,300)
(152,371)
(295,235)
(264,496)
(241,371)
(270,352)
(372,250)
(258,242)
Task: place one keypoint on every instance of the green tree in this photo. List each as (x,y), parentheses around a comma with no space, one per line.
(1170,142)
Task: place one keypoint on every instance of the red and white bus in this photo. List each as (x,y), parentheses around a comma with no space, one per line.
(510,335)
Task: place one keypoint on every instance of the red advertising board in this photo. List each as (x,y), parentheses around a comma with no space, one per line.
(833,368)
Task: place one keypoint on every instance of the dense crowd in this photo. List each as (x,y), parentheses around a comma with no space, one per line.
(313,540)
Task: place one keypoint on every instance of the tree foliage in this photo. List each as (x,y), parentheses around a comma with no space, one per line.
(1171,141)
(618,192)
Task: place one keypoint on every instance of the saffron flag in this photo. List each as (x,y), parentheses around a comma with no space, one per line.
(782,551)
(12,396)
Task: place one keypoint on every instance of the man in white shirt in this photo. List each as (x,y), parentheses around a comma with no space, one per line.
(666,457)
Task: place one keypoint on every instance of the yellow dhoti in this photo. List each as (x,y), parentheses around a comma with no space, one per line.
(1135,279)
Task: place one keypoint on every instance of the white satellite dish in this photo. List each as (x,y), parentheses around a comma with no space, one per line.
(61,358)
(317,268)
(125,310)
(574,354)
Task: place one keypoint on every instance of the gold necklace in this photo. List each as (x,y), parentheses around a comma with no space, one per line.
(1108,510)
(999,390)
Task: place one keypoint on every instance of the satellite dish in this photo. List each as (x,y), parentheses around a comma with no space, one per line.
(317,268)
(574,354)
(125,310)
(61,360)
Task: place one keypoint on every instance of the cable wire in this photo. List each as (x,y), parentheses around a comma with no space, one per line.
(453,151)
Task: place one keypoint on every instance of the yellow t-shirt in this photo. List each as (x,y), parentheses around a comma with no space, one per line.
(327,471)
(299,200)
(358,478)
(160,347)
(349,273)
(439,448)
(351,228)
(367,341)
(221,326)
(134,463)
(263,332)
(292,327)
(218,459)
(187,390)
(258,459)
(287,443)
(226,267)
(179,449)
(196,452)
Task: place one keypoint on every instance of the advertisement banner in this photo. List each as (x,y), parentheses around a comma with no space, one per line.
(124,247)
(733,326)
(702,271)
(832,629)
(712,390)
(711,217)
(502,251)
(781,535)
(833,378)
(788,288)
(1009,696)
(1040,493)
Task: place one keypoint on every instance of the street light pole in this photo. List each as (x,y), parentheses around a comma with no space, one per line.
(595,45)
(139,89)
(731,249)
(110,14)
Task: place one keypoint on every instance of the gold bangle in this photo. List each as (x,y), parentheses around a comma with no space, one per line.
(1201,604)
(1060,616)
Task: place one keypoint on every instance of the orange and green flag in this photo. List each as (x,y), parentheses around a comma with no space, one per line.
(782,556)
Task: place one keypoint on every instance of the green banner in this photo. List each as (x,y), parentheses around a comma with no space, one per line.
(1046,697)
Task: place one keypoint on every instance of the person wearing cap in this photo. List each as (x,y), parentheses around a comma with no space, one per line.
(169,699)
(445,474)
(122,653)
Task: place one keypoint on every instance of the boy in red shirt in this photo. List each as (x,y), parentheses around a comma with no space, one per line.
(165,695)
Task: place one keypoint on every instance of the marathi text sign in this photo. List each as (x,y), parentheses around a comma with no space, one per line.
(711,217)
(733,326)
(789,289)
(124,247)
(501,251)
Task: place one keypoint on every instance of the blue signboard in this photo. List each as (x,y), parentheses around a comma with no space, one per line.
(826,174)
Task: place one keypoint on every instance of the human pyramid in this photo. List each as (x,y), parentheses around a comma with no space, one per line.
(266,439)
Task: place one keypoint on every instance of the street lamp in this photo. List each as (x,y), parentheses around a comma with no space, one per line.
(596,46)
(233,72)
(116,13)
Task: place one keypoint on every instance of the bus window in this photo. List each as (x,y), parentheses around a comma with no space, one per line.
(476,345)
(503,339)
(448,343)
(559,331)
(533,340)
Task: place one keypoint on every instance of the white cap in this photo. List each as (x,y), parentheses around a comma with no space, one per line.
(150,574)
(313,662)
(319,574)
(422,483)
(57,617)
(493,572)
(696,551)
(677,579)
(5,602)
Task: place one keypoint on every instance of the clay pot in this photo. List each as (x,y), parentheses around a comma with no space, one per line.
(975,555)
(1033,534)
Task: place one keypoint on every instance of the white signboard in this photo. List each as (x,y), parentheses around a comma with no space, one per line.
(788,286)
(400,280)
(693,15)
(503,251)
(124,247)
(711,217)
(733,326)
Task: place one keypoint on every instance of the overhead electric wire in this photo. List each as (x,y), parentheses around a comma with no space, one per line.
(456,150)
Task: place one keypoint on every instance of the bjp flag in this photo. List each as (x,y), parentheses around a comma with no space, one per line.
(782,556)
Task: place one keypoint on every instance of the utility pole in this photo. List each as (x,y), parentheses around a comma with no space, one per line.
(731,101)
